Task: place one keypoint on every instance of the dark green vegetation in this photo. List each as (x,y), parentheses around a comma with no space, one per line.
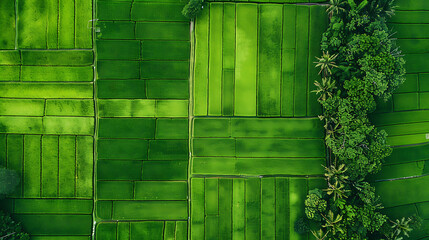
(359,66)
(193,8)
(10,229)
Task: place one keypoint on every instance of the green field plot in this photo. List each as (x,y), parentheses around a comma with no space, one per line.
(8,25)
(160,230)
(54,24)
(56,183)
(143,60)
(51,24)
(402,192)
(250,208)
(417,5)
(37,66)
(252,146)
(259,61)
(144,161)
(406,161)
(141,166)
(404,127)
(52,218)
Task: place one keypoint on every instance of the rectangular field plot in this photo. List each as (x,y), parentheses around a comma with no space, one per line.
(406,191)
(251,146)
(248,208)
(405,161)
(405,127)
(159,230)
(53,218)
(142,160)
(53,24)
(130,209)
(260,66)
(50,166)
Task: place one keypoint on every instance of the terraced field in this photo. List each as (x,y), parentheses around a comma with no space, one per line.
(114,139)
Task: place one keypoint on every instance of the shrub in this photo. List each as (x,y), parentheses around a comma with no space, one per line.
(302,226)
(193,8)
(9,179)
(11,230)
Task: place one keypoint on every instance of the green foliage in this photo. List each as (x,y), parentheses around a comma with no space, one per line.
(335,7)
(347,209)
(11,230)
(367,66)
(302,226)
(193,8)
(326,63)
(360,64)
(400,228)
(325,88)
(8,181)
(315,205)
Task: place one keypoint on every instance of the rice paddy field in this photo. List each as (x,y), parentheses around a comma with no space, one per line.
(127,121)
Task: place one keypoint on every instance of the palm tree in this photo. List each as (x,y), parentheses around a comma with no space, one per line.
(335,6)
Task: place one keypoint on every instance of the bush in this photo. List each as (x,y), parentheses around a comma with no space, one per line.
(9,179)
(11,230)
(193,8)
(302,226)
